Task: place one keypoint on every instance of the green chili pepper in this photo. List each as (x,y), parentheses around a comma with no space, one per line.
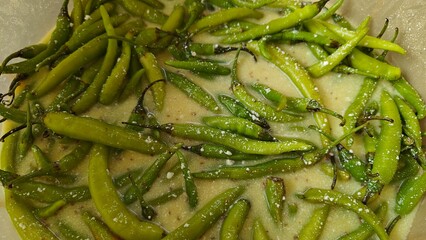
(154,3)
(261,108)
(370,142)
(173,22)
(314,227)
(25,222)
(357,58)
(318,51)
(154,73)
(209,150)
(240,143)
(26,52)
(139,8)
(194,9)
(411,126)
(255,105)
(125,179)
(303,36)
(47,167)
(367,41)
(355,166)
(353,112)
(70,65)
(170,195)
(233,27)
(13,114)
(251,4)
(89,72)
(16,98)
(238,125)
(27,138)
(147,211)
(68,232)
(317,155)
(350,70)
(342,21)
(234,221)
(94,130)
(237,109)
(259,232)
(49,193)
(370,65)
(275,195)
(114,82)
(207,49)
(140,115)
(92,93)
(190,187)
(290,20)
(331,197)
(194,91)
(365,230)
(40,157)
(411,96)
(95,15)
(328,13)
(149,36)
(298,76)
(410,193)
(98,229)
(221,17)
(132,84)
(72,88)
(85,34)
(225,4)
(331,170)
(200,66)
(388,146)
(79,58)
(300,105)
(81,37)
(77,14)
(204,218)
(409,168)
(324,66)
(253,171)
(115,214)
(51,209)
(149,176)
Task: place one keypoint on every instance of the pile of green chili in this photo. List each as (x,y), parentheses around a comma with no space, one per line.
(104,53)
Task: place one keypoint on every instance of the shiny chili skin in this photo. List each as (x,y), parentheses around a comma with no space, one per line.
(234,221)
(388,147)
(94,130)
(275,195)
(240,143)
(253,171)
(239,110)
(410,193)
(115,214)
(332,197)
(238,125)
(204,218)
(276,25)
(315,226)
(221,17)
(298,75)
(194,91)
